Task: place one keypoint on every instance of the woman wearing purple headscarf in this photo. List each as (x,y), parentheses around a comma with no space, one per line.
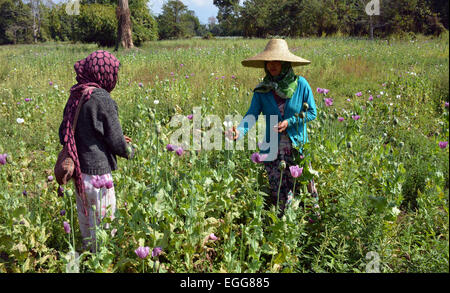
(98,140)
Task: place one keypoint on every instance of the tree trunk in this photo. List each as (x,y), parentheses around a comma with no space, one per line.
(124,38)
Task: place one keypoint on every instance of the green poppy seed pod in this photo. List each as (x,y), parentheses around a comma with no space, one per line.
(349,144)
(158,128)
(282,165)
(69,192)
(305,106)
(395,121)
(401,144)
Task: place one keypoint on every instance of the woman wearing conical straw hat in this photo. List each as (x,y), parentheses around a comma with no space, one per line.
(288,99)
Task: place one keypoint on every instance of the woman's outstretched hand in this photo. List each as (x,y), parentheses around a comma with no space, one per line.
(127,139)
(281,126)
(232,133)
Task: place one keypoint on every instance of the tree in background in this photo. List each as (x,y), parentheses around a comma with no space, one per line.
(229,17)
(124,38)
(176,21)
(15,22)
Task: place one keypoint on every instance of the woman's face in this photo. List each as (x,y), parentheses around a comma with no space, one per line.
(274,68)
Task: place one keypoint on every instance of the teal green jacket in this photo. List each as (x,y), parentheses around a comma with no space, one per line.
(265,103)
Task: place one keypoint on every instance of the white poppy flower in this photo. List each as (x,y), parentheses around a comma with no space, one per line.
(20,120)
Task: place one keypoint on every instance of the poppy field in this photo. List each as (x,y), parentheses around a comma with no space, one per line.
(378,150)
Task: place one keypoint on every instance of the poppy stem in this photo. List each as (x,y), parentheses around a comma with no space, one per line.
(279,187)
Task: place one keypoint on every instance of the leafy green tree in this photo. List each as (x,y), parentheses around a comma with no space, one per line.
(15,22)
(228,16)
(176,21)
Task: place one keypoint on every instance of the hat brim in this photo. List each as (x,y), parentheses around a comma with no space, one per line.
(259,60)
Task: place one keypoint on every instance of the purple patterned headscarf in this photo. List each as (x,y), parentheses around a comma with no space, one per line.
(100,70)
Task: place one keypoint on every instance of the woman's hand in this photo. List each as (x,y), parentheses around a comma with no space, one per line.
(232,133)
(127,139)
(281,126)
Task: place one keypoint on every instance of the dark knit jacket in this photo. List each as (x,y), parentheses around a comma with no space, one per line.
(98,136)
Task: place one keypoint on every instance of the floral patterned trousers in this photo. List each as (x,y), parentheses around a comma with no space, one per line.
(286,192)
(102,203)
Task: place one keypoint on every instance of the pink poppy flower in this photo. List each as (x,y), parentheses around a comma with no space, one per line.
(356,117)
(358,94)
(328,102)
(320,90)
(171,147)
(443,144)
(190,116)
(156,251)
(66,227)
(3,159)
(142,252)
(340,119)
(296,171)
(179,151)
(371,98)
(258,158)
(212,237)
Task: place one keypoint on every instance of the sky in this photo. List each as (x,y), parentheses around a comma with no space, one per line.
(203,8)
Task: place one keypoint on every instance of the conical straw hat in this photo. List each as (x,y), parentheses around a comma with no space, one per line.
(276,50)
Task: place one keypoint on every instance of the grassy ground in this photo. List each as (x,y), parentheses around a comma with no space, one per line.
(387,161)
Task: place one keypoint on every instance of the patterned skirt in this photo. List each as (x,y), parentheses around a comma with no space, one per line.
(284,193)
(102,203)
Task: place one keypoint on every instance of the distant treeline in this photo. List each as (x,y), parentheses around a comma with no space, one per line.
(28,21)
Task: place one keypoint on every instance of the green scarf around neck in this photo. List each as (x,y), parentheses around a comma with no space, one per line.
(284,84)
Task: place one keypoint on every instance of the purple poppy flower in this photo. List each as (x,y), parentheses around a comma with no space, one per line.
(358,94)
(27,99)
(212,237)
(296,171)
(320,90)
(370,98)
(258,158)
(384,84)
(348,100)
(443,144)
(171,74)
(156,251)
(187,76)
(233,77)
(356,117)
(181,64)
(25,193)
(60,191)
(3,159)
(50,83)
(170,147)
(328,102)
(109,184)
(62,213)
(223,77)
(179,151)
(340,119)
(326,91)
(140,84)
(50,178)
(142,252)
(190,116)
(66,227)
(446,104)
(97,182)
